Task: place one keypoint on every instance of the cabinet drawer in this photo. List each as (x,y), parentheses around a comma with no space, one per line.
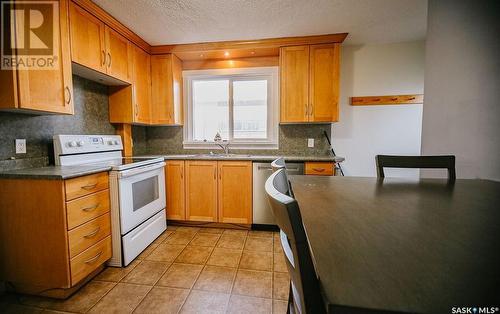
(88,234)
(319,168)
(87,208)
(87,261)
(86,185)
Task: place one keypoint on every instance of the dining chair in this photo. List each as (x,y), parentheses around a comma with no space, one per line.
(423,162)
(283,184)
(278,163)
(304,295)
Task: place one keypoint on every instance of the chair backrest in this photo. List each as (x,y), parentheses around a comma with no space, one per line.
(278,163)
(304,282)
(282,184)
(424,162)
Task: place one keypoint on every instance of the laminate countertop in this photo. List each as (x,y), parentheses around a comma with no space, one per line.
(255,158)
(418,246)
(67,172)
(54,172)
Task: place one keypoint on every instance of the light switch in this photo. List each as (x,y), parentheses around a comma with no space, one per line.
(310,142)
(20,146)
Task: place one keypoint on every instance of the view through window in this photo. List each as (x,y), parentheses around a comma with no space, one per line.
(238,107)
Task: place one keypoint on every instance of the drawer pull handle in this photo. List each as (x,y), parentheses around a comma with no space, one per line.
(92,234)
(93,259)
(90,208)
(89,186)
(319,169)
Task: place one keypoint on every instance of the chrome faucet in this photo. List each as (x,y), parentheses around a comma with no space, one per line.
(224,144)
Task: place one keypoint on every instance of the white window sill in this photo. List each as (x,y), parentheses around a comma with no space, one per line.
(211,145)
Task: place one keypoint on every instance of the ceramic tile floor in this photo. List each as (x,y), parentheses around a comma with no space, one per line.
(185,270)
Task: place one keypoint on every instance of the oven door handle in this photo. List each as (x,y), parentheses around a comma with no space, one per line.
(138,170)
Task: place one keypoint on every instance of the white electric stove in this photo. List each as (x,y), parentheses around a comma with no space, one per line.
(137,190)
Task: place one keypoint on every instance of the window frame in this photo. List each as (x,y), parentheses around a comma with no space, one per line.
(235,74)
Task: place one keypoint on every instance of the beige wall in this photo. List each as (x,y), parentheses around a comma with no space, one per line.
(365,131)
(462,86)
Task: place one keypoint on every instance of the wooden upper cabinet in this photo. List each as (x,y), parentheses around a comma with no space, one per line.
(88,46)
(176,196)
(201,190)
(166,90)
(309,83)
(99,47)
(118,50)
(235,192)
(42,90)
(294,69)
(132,103)
(141,86)
(324,82)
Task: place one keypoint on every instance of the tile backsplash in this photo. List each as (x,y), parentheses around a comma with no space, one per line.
(292,141)
(91,117)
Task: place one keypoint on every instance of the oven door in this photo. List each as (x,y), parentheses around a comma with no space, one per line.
(142,194)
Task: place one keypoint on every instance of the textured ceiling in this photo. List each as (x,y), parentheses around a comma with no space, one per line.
(189,21)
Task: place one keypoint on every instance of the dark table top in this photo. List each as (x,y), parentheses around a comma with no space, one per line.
(403,245)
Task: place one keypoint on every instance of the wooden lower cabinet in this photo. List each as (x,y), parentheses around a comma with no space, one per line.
(209,191)
(46,251)
(318,168)
(235,192)
(174,183)
(201,190)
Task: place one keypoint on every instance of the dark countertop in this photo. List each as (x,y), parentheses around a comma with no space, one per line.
(419,246)
(67,172)
(54,172)
(255,158)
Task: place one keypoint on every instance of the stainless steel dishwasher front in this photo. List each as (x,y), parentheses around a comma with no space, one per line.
(262,213)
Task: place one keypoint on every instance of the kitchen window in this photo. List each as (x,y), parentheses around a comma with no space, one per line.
(239,104)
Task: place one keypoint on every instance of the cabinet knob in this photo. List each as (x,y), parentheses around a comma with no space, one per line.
(109,60)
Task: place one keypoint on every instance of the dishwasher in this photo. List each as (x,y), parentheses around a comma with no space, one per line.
(262,212)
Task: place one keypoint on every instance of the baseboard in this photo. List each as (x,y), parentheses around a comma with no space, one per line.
(262,227)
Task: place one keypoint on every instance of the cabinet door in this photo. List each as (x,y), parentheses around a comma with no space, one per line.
(118,49)
(235,192)
(294,68)
(141,91)
(177,104)
(166,90)
(50,90)
(201,190)
(324,82)
(174,177)
(87,39)
(161,89)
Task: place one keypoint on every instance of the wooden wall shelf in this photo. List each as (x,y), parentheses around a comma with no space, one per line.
(387,100)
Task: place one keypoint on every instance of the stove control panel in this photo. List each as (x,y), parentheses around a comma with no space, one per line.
(78,144)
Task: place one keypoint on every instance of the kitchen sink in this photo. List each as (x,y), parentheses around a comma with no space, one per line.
(217,155)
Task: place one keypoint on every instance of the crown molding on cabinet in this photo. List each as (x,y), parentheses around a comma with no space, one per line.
(109,20)
(236,49)
(272,45)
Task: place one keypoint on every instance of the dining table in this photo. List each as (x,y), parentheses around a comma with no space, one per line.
(410,245)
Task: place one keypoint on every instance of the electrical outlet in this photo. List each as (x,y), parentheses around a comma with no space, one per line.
(310,142)
(20,146)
